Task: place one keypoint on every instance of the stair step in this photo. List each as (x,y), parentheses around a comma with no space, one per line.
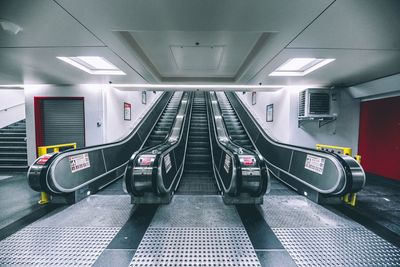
(13,168)
(14,155)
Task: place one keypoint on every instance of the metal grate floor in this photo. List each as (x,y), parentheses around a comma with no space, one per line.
(40,246)
(337,247)
(185,246)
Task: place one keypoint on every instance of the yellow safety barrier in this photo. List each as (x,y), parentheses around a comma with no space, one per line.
(43,150)
(343,150)
(349,198)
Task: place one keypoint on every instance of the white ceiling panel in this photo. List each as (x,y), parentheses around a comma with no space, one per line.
(40,65)
(250,39)
(350,67)
(197,58)
(355,24)
(44,23)
(175,54)
(284,18)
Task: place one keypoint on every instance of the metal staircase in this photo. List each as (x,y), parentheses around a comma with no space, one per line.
(13,154)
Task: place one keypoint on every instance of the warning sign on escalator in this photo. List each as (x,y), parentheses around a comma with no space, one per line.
(227,163)
(167,163)
(315,164)
(79,162)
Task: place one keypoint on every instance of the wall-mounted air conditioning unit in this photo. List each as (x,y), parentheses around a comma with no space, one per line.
(315,104)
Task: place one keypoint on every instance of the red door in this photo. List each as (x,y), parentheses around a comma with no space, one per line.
(379,137)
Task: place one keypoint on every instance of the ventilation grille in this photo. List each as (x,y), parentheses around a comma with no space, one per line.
(302,103)
(314,103)
(319,103)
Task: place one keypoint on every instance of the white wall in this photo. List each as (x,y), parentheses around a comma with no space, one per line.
(116,126)
(284,128)
(12,107)
(278,127)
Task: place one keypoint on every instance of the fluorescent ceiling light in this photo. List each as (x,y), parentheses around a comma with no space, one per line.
(93,65)
(98,63)
(300,66)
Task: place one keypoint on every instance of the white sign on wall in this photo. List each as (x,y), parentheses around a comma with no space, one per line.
(315,164)
(79,162)
(127,111)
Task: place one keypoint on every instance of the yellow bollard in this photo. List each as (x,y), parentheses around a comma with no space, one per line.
(44,198)
(42,150)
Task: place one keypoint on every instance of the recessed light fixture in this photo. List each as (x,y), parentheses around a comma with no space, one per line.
(300,66)
(93,65)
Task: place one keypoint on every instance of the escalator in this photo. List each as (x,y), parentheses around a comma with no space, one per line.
(164,124)
(313,173)
(198,176)
(235,129)
(71,175)
(153,172)
(199,160)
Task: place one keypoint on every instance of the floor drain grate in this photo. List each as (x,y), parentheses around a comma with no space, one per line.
(185,246)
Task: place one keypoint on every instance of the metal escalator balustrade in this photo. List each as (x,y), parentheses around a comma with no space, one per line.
(241,173)
(152,173)
(55,173)
(311,172)
(198,176)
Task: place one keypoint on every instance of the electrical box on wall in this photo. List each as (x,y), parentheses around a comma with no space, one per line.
(315,105)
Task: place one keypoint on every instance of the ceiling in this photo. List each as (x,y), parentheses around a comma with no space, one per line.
(202,41)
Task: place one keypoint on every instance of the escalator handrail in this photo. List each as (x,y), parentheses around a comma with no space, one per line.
(61,155)
(210,134)
(173,144)
(348,165)
(225,146)
(233,149)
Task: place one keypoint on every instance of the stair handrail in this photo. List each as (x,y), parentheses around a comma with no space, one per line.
(6,109)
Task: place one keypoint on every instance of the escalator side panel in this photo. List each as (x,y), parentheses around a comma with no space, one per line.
(276,156)
(288,162)
(117,156)
(69,180)
(326,180)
